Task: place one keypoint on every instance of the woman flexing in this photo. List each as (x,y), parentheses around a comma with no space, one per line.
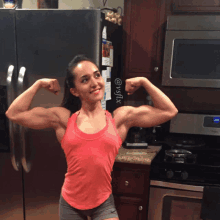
(89,135)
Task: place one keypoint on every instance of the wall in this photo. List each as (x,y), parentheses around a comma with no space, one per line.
(78,4)
(32,4)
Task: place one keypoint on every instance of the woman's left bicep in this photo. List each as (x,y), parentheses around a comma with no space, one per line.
(148,116)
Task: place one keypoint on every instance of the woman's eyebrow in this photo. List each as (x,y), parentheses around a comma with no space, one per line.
(88,74)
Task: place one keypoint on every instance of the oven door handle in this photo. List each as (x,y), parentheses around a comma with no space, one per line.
(10,97)
(177,186)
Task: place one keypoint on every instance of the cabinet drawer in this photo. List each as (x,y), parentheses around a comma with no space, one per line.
(128,182)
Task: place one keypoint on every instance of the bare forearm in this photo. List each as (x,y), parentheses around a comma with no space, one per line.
(23,101)
(160,100)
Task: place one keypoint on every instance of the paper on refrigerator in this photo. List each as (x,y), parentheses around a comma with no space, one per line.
(111,54)
(104,33)
(104,74)
(103,103)
(107,53)
(108,83)
(108,72)
(108,90)
(107,79)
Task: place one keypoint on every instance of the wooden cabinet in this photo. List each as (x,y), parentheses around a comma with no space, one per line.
(189,99)
(129,208)
(130,186)
(128,182)
(144,32)
(47,3)
(196,6)
(143,26)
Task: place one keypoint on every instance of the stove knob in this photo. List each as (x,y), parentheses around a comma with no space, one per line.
(170,174)
(184,175)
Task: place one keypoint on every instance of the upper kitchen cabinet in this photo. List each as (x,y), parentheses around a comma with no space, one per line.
(143,27)
(204,6)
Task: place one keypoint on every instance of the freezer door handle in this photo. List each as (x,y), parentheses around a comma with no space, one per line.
(26,165)
(10,98)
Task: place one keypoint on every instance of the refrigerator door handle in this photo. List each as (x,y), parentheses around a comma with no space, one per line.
(10,98)
(26,165)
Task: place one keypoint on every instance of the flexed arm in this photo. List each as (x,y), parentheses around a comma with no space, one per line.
(37,118)
(145,115)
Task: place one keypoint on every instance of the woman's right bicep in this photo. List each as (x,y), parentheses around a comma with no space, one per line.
(37,118)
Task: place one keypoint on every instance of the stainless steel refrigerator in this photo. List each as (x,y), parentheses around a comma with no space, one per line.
(38,44)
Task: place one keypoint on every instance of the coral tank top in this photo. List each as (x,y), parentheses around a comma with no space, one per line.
(90,159)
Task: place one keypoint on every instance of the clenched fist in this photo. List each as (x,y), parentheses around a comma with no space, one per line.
(133,84)
(52,85)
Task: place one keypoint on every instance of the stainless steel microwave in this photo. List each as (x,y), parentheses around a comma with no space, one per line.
(192,51)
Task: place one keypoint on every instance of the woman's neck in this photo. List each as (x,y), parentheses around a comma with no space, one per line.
(92,112)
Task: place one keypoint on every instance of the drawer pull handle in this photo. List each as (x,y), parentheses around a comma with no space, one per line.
(156,69)
(126,183)
(140,208)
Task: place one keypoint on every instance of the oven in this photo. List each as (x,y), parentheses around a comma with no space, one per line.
(192,51)
(172,201)
(185,169)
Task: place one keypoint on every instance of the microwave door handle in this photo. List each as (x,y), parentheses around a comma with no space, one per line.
(26,165)
(10,98)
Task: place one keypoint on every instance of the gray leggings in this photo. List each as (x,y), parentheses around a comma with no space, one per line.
(105,210)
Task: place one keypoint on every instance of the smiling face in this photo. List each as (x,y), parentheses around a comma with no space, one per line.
(88,79)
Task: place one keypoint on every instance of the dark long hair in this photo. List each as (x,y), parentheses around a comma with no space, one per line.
(70,101)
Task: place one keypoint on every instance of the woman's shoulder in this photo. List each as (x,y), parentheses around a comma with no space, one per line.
(61,110)
(76,112)
(63,114)
(121,111)
(120,114)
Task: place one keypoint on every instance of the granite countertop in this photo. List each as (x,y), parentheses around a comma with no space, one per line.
(137,156)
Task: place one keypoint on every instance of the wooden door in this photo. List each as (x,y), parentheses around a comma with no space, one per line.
(196,5)
(129,208)
(142,29)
